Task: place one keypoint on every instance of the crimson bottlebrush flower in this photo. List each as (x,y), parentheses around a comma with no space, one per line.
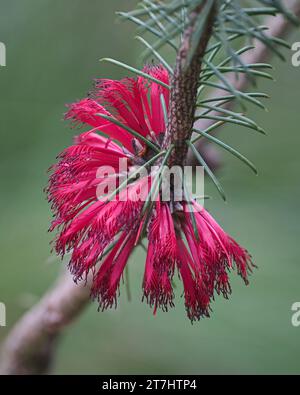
(127,120)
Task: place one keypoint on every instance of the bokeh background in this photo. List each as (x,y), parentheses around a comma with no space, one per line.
(53,51)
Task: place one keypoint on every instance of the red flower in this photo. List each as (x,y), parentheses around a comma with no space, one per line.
(107,230)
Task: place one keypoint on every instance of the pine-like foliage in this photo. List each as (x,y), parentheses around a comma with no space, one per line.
(237,27)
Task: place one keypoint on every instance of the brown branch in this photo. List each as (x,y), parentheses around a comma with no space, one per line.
(278,27)
(184,84)
(31,344)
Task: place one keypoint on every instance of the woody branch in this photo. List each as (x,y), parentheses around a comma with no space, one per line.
(184,84)
(30,346)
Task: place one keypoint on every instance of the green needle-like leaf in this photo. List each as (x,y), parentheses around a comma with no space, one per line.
(231,120)
(156,182)
(207,169)
(133,175)
(232,114)
(230,97)
(136,71)
(164,107)
(154,190)
(245,96)
(191,212)
(156,54)
(131,131)
(227,148)
(207,130)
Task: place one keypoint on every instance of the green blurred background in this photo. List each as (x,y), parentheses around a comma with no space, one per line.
(53,48)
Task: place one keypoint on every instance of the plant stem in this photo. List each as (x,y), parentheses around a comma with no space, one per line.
(184,83)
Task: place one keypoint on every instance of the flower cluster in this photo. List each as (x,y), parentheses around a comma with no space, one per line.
(101,234)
